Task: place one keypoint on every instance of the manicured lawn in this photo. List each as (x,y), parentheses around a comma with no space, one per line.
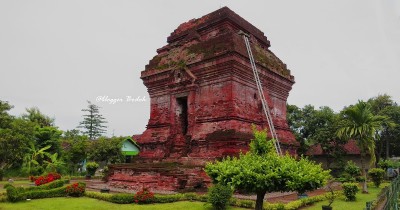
(340,203)
(89,203)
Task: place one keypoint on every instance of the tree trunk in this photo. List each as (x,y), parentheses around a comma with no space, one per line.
(260,200)
(364,173)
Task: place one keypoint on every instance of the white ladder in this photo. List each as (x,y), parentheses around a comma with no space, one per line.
(261,94)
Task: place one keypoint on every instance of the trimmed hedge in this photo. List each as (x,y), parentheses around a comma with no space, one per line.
(47,186)
(123,198)
(52,193)
(15,194)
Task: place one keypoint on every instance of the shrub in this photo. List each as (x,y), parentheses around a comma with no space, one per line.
(172,198)
(45,179)
(122,198)
(15,194)
(350,190)
(91,168)
(376,175)
(56,192)
(352,173)
(99,196)
(352,169)
(47,186)
(144,196)
(219,195)
(76,189)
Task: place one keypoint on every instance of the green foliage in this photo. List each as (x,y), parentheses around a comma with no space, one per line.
(352,169)
(91,168)
(75,149)
(376,175)
(173,198)
(52,193)
(385,164)
(106,149)
(351,173)
(363,126)
(54,189)
(54,163)
(122,198)
(47,186)
(15,194)
(267,173)
(350,190)
(13,141)
(36,116)
(259,145)
(315,126)
(33,156)
(93,122)
(219,196)
(99,195)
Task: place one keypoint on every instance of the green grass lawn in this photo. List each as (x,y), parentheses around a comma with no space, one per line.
(89,203)
(361,199)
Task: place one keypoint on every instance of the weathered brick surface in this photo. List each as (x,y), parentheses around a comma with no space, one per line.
(204,100)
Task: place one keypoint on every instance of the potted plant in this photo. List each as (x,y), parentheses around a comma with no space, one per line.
(91,168)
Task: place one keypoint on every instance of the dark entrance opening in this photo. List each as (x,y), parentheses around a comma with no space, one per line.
(183,113)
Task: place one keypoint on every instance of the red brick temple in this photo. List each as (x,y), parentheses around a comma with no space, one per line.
(204,101)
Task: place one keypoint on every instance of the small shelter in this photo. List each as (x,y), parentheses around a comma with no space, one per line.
(129,149)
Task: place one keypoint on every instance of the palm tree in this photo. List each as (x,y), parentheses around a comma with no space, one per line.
(362,126)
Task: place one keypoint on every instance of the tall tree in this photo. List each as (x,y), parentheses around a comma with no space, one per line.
(362,125)
(93,122)
(15,134)
(390,134)
(35,115)
(106,149)
(261,170)
(315,126)
(5,117)
(75,148)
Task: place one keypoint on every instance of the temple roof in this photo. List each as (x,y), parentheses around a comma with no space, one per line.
(214,18)
(214,35)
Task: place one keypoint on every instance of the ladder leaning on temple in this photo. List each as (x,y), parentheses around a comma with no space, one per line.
(261,94)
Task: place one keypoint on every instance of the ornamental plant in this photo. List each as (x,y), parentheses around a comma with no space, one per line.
(143,196)
(350,190)
(376,175)
(76,189)
(219,196)
(91,168)
(45,179)
(261,170)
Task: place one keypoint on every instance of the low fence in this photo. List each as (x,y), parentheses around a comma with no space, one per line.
(387,199)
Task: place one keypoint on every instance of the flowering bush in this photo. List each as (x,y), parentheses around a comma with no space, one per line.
(45,179)
(76,189)
(143,196)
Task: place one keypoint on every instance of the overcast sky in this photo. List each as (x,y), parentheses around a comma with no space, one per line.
(56,55)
